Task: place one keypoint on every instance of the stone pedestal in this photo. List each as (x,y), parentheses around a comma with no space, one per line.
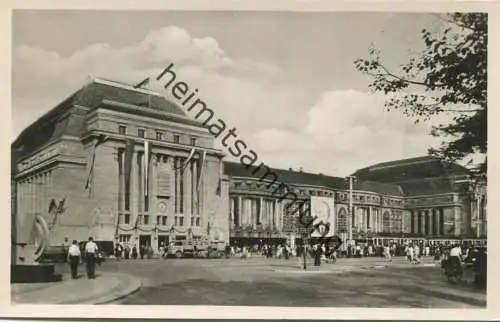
(31,238)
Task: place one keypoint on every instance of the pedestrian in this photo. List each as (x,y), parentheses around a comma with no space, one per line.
(74,256)
(417,254)
(127,252)
(387,254)
(317,255)
(118,251)
(90,257)
(409,253)
(134,252)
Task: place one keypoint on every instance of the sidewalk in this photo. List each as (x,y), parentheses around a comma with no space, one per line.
(435,284)
(105,288)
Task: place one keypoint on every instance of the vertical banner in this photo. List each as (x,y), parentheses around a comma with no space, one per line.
(90,166)
(188,160)
(324,209)
(129,151)
(202,166)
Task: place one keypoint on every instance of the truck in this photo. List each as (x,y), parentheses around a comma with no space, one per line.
(196,248)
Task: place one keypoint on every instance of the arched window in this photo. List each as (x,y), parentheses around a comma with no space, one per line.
(386,222)
(342,223)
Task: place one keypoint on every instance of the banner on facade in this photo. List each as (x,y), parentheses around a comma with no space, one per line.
(324,209)
(163,179)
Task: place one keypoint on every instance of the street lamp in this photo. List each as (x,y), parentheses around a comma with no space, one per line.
(308,220)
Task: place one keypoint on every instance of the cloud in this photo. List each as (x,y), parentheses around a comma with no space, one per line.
(41,78)
(341,132)
(345,131)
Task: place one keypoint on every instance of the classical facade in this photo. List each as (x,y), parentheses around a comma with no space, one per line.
(124,164)
(120,163)
(414,198)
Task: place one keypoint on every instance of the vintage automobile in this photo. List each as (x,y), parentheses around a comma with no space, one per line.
(478,258)
(54,254)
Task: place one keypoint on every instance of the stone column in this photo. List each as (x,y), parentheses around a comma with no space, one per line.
(19,200)
(153,188)
(134,190)
(275,213)
(240,207)
(439,222)
(171,165)
(430,220)
(195,211)
(261,217)
(421,218)
(415,222)
(457,211)
(188,186)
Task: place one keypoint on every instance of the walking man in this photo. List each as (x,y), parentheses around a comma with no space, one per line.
(74,256)
(90,257)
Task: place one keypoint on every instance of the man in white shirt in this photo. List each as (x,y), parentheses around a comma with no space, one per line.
(455,257)
(91,256)
(74,256)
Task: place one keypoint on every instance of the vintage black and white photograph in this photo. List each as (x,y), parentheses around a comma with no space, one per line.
(249,158)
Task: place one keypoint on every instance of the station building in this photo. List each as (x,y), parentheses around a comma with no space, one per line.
(120,163)
(417,198)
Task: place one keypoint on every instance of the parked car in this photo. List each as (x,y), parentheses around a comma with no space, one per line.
(176,249)
(55,254)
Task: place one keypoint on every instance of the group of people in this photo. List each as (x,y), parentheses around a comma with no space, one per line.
(90,255)
(134,253)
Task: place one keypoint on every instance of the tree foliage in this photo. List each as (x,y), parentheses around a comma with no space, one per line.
(448,76)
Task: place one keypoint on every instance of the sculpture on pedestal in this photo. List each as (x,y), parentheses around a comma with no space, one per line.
(31,238)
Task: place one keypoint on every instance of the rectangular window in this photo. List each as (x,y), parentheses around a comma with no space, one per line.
(193,141)
(124,238)
(160,135)
(122,129)
(181,221)
(198,222)
(146,220)
(175,221)
(164,220)
(127,219)
(158,220)
(120,218)
(176,138)
(192,221)
(141,133)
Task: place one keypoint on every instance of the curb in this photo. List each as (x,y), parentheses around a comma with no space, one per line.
(135,286)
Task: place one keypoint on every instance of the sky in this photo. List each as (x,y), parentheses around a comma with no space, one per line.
(285,80)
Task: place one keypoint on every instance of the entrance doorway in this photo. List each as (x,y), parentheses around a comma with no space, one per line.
(163,240)
(145,240)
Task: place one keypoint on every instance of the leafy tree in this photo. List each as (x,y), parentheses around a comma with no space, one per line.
(448,76)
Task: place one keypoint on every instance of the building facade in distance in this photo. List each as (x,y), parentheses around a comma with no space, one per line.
(414,198)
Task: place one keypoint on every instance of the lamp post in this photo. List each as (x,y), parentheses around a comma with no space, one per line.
(308,219)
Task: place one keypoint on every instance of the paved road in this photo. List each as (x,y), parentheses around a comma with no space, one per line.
(261,282)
